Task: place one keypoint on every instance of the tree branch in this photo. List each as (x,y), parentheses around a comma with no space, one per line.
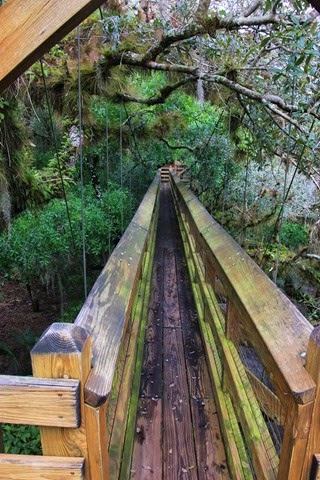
(177,147)
(159,99)
(252,8)
(254,95)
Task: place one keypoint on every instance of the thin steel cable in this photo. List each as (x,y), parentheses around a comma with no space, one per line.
(242,238)
(121,166)
(275,276)
(108,178)
(54,138)
(84,260)
(226,171)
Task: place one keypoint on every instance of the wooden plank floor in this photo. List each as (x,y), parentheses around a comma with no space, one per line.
(177,429)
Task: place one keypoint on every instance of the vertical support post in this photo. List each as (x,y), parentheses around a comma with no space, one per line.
(294,445)
(97,440)
(313,368)
(231,328)
(64,351)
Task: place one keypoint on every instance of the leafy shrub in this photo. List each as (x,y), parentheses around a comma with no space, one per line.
(40,245)
(294,235)
(21,439)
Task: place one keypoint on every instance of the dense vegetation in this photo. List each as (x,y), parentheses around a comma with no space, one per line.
(229,89)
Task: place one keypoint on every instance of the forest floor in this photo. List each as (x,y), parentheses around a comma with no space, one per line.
(20,327)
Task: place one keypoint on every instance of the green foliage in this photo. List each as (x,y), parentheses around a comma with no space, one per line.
(21,439)
(40,243)
(294,235)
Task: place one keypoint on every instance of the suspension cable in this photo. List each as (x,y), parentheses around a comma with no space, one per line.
(84,261)
(55,144)
(108,179)
(121,166)
(226,169)
(245,193)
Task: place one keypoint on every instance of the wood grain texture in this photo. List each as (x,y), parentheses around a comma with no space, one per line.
(210,451)
(97,442)
(173,439)
(43,402)
(107,309)
(147,449)
(29,28)
(32,467)
(294,445)
(178,446)
(147,457)
(262,307)
(313,367)
(119,451)
(64,351)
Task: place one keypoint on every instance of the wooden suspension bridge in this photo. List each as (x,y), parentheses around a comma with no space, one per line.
(185,361)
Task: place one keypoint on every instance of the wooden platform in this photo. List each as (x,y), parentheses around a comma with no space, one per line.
(177,429)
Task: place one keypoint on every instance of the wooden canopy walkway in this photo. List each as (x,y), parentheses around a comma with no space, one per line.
(185,361)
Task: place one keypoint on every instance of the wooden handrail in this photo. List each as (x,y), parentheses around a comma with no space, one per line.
(29,28)
(240,308)
(68,397)
(277,329)
(107,309)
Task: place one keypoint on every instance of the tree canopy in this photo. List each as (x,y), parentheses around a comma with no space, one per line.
(230,89)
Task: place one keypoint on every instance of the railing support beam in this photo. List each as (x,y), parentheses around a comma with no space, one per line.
(64,351)
(313,368)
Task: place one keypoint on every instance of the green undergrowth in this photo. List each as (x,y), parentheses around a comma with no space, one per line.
(21,439)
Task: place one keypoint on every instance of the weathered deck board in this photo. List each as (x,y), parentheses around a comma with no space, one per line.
(211,457)
(177,430)
(147,462)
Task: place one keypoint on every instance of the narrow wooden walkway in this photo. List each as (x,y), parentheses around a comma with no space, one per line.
(177,429)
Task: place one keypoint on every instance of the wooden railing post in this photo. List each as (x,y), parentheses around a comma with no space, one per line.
(64,351)
(313,368)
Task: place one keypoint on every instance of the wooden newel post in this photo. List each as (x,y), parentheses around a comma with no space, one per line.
(64,351)
(313,368)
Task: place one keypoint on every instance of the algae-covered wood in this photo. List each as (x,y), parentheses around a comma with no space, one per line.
(29,28)
(263,309)
(233,379)
(32,467)
(107,309)
(313,367)
(177,432)
(35,401)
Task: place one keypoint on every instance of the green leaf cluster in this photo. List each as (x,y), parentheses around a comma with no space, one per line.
(21,439)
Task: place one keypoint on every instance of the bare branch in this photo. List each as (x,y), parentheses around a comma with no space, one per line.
(252,8)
